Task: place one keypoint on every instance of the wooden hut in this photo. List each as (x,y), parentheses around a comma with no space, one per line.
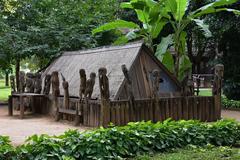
(136,56)
(137,87)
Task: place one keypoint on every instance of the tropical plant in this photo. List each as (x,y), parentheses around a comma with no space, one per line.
(154,16)
(125,141)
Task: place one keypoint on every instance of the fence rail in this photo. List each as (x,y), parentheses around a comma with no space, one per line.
(123,111)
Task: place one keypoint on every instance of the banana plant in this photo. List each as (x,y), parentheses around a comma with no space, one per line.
(151,20)
(154,16)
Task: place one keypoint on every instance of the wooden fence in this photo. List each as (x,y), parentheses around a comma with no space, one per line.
(121,112)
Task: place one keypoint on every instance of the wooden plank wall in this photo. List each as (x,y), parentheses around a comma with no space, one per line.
(91,113)
(198,108)
(121,112)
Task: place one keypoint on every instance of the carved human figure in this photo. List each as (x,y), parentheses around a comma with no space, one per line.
(129,81)
(22,81)
(188,84)
(38,83)
(66,92)
(83,81)
(218,76)
(156,80)
(103,83)
(12,82)
(90,85)
(47,84)
(30,83)
(55,84)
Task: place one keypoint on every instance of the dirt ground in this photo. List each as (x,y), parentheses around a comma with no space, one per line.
(18,130)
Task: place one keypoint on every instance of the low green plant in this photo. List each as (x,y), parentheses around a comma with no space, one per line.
(227,103)
(6,149)
(128,141)
(208,152)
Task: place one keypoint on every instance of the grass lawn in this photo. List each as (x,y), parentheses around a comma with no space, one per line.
(4,91)
(205,92)
(195,153)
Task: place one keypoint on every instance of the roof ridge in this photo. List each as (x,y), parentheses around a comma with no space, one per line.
(104,49)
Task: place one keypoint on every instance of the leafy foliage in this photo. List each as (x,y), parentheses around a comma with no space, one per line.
(228,103)
(155,15)
(128,141)
(47,27)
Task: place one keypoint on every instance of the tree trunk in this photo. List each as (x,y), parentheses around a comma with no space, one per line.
(17,72)
(6,79)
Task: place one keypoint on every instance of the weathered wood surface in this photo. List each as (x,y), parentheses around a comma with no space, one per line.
(198,108)
(38,103)
(121,112)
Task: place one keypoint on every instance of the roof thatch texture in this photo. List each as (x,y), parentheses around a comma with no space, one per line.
(91,60)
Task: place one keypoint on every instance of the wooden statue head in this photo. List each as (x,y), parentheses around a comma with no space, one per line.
(38,75)
(92,76)
(156,73)
(30,75)
(219,70)
(124,68)
(102,71)
(82,72)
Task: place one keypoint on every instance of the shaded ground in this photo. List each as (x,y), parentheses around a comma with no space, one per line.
(231,114)
(18,130)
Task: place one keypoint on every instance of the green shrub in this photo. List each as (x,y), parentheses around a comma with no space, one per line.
(6,150)
(231,89)
(227,103)
(129,141)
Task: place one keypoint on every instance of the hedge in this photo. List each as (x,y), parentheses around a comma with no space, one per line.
(126,141)
(232,104)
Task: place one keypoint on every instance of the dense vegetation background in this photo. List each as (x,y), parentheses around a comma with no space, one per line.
(32,33)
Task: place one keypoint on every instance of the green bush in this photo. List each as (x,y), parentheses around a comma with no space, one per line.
(227,103)
(231,89)
(6,150)
(128,141)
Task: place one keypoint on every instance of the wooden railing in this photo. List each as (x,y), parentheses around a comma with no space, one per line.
(121,112)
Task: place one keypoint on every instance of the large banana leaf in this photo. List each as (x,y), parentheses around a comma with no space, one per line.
(203,27)
(157,27)
(168,61)
(166,42)
(182,6)
(213,8)
(118,24)
(184,65)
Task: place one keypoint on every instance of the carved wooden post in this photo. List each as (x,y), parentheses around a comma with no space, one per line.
(12,82)
(105,102)
(22,82)
(38,83)
(156,80)
(217,88)
(83,81)
(55,93)
(82,88)
(47,84)
(130,93)
(66,94)
(88,95)
(29,83)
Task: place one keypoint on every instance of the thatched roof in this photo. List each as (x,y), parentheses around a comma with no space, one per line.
(91,60)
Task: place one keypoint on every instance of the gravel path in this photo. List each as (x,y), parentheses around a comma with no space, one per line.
(231,114)
(18,130)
